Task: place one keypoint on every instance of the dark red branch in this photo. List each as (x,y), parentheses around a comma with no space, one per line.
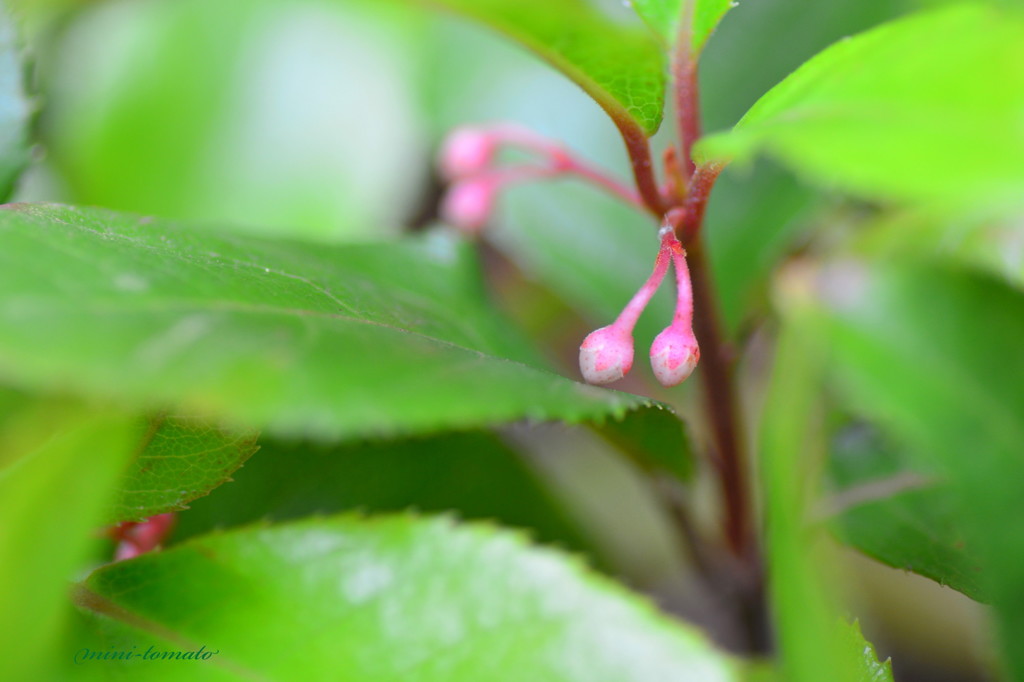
(684,73)
(639,151)
(686,88)
(697,195)
(721,405)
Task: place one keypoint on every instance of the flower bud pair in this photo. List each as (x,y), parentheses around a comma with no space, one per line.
(606,355)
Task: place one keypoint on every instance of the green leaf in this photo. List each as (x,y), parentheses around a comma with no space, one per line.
(622,68)
(933,355)
(181,458)
(15,108)
(394,598)
(475,475)
(923,109)
(332,341)
(894,512)
(59,463)
(752,222)
(664,16)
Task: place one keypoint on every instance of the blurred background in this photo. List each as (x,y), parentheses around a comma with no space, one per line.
(320,119)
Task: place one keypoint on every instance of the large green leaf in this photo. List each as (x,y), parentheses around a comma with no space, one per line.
(933,354)
(14,108)
(664,16)
(180,458)
(59,463)
(372,339)
(898,514)
(924,109)
(395,598)
(622,68)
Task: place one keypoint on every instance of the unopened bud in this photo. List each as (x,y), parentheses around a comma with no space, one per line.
(674,354)
(466,152)
(468,204)
(606,355)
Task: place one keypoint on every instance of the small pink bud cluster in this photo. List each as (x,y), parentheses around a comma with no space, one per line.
(467,161)
(138,537)
(606,355)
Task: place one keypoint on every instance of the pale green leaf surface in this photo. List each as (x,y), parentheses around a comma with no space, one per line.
(334,341)
(924,109)
(397,598)
(59,463)
(180,458)
(663,17)
(933,354)
(621,67)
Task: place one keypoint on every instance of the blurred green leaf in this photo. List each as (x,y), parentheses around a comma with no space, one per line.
(933,354)
(181,458)
(924,109)
(476,475)
(753,220)
(333,341)
(996,246)
(664,16)
(895,513)
(809,644)
(59,463)
(293,118)
(395,597)
(621,67)
(15,108)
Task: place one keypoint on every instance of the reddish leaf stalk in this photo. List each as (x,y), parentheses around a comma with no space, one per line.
(686,88)
(639,151)
(721,405)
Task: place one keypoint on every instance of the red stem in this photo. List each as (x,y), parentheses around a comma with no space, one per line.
(684,77)
(721,405)
(639,151)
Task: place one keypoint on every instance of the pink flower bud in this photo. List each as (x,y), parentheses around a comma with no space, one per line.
(674,354)
(466,152)
(468,204)
(606,355)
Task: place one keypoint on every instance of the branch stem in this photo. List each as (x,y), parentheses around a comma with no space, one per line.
(686,89)
(639,150)
(722,407)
